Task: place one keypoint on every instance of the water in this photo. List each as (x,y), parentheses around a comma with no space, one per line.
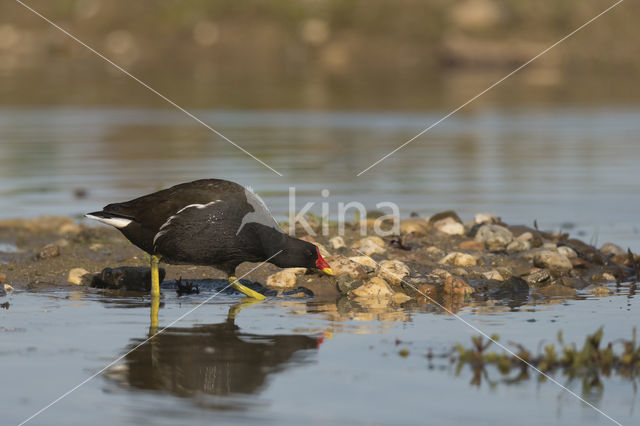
(288,362)
(295,361)
(567,168)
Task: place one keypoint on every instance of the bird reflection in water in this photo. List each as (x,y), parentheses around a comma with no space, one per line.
(210,360)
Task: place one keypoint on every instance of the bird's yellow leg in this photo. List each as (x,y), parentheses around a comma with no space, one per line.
(155,307)
(155,275)
(245,290)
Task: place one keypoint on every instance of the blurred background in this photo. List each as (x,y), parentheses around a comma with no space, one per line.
(319,90)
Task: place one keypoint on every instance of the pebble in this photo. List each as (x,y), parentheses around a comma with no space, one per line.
(369,246)
(552,260)
(572,282)
(77,276)
(457,286)
(429,290)
(538,276)
(567,252)
(434,251)
(611,249)
(519,245)
(346,284)
(393,271)
(399,298)
(493,275)
(486,218)
(452,228)
(285,279)
(364,261)
(49,251)
(472,245)
(414,225)
(600,291)
(375,287)
(603,277)
(557,290)
(444,215)
(337,243)
(7,288)
(458,259)
(342,265)
(496,237)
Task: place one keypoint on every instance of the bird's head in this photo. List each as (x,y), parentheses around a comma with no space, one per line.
(301,254)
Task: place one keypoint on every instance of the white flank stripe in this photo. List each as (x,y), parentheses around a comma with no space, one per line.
(163,231)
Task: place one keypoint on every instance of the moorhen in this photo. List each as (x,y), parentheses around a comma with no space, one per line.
(210,222)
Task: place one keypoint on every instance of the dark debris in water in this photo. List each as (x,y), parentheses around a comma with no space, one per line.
(188,287)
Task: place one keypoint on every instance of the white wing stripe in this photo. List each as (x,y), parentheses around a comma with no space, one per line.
(162,231)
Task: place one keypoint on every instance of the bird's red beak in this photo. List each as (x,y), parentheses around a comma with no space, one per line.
(322,264)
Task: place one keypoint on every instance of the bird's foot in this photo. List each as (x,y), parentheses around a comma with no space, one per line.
(245,290)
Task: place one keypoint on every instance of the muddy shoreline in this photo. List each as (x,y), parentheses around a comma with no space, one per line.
(440,258)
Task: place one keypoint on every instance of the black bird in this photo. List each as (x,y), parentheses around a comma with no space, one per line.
(210,222)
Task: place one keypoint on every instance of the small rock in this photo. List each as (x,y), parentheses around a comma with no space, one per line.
(493,275)
(337,243)
(472,245)
(49,251)
(452,228)
(457,286)
(458,259)
(370,245)
(537,277)
(486,218)
(283,279)
(603,277)
(364,261)
(600,291)
(549,245)
(434,251)
(7,288)
(399,298)
(525,236)
(346,284)
(552,260)
(511,288)
(568,252)
(610,249)
(441,273)
(557,290)
(519,245)
(572,282)
(393,271)
(428,290)
(443,215)
(375,287)
(342,265)
(494,236)
(77,276)
(414,225)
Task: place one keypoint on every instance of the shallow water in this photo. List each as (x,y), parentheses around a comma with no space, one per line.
(289,361)
(574,169)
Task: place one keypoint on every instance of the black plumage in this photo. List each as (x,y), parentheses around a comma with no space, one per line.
(210,222)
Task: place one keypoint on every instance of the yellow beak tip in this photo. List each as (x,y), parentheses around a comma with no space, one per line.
(328,271)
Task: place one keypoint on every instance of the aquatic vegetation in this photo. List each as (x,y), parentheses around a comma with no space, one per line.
(619,357)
